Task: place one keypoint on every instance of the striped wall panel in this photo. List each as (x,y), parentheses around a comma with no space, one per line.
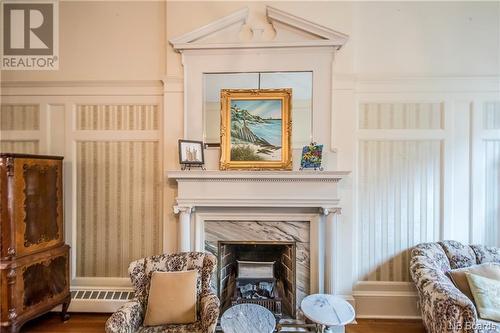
(399,204)
(400,116)
(20,147)
(118,206)
(117,117)
(19,117)
(492,195)
(491,115)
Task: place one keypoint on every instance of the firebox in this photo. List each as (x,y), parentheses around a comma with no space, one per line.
(258,272)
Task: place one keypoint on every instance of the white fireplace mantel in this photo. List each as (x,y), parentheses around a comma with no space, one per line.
(257,188)
(247,190)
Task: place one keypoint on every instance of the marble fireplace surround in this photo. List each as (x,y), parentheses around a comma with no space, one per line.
(263,199)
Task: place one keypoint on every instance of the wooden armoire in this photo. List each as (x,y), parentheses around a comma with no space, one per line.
(34,260)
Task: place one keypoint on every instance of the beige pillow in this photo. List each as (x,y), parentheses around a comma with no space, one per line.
(488,270)
(487,296)
(172,298)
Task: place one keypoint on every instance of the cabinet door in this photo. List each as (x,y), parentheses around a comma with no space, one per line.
(38,212)
(34,284)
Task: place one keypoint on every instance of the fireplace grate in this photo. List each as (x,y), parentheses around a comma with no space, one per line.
(273,305)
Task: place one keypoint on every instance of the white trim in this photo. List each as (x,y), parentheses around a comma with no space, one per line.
(210,175)
(399,299)
(326,37)
(239,16)
(82,88)
(395,85)
(334,38)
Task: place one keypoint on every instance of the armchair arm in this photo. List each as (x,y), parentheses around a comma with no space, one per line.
(444,308)
(126,319)
(209,312)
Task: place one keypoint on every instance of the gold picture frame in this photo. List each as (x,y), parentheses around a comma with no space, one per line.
(256,129)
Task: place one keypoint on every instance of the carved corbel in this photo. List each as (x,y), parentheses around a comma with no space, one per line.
(330,210)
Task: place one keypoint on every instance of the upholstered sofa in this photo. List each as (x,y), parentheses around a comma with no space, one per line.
(444,308)
(129,318)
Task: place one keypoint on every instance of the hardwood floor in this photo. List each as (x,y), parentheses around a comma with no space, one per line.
(94,323)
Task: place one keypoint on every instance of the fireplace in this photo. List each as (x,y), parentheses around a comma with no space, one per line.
(259,272)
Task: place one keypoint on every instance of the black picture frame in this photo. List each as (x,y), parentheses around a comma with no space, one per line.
(191,143)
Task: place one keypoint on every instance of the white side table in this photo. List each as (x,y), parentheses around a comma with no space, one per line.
(328,312)
(247,318)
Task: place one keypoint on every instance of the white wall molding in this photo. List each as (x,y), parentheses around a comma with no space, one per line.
(416,84)
(82,88)
(399,300)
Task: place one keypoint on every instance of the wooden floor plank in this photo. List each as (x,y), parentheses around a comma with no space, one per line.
(94,323)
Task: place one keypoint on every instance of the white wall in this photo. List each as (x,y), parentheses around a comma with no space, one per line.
(428,52)
(106,40)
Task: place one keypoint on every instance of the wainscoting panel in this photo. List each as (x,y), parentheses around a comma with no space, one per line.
(20,147)
(15,121)
(399,200)
(19,117)
(491,115)
(117,117)
(492,195)
(400,116)
(118,205)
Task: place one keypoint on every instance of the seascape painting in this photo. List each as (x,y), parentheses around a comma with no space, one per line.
(256,130)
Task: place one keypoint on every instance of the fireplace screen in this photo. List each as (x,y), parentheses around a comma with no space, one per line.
(258,272)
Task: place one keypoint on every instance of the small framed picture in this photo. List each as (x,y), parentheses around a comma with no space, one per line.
(191,152)
(312,157)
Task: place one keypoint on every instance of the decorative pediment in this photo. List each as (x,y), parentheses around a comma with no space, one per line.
(279,30)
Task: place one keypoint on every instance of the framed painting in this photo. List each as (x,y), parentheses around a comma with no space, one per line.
(256,129)
(191,152)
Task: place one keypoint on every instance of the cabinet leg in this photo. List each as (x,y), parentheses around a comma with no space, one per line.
(64,313)
(13,329)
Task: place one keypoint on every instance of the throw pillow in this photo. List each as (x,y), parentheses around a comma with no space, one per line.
(172,298)
(487,296)
(489,270)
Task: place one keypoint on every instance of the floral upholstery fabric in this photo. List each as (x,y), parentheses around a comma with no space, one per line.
(129,318)
(460,255)
(486,253)
(444,308)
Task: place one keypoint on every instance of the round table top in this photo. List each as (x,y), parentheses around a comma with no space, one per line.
(247,318)
(327,310)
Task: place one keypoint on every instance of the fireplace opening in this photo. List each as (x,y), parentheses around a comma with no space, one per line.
(258,272)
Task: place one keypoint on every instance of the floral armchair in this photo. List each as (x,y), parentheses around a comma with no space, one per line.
(129,318)
(444,308)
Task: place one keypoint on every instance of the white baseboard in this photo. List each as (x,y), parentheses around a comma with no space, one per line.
(386,300)
(377,300)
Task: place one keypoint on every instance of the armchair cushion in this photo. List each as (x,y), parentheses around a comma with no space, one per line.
(172,298)
(459,278)
(487,296)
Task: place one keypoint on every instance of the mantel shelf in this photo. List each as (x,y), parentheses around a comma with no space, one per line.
(214,175)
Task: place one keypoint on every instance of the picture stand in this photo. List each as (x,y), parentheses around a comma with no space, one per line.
(188,166)
(313,169)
